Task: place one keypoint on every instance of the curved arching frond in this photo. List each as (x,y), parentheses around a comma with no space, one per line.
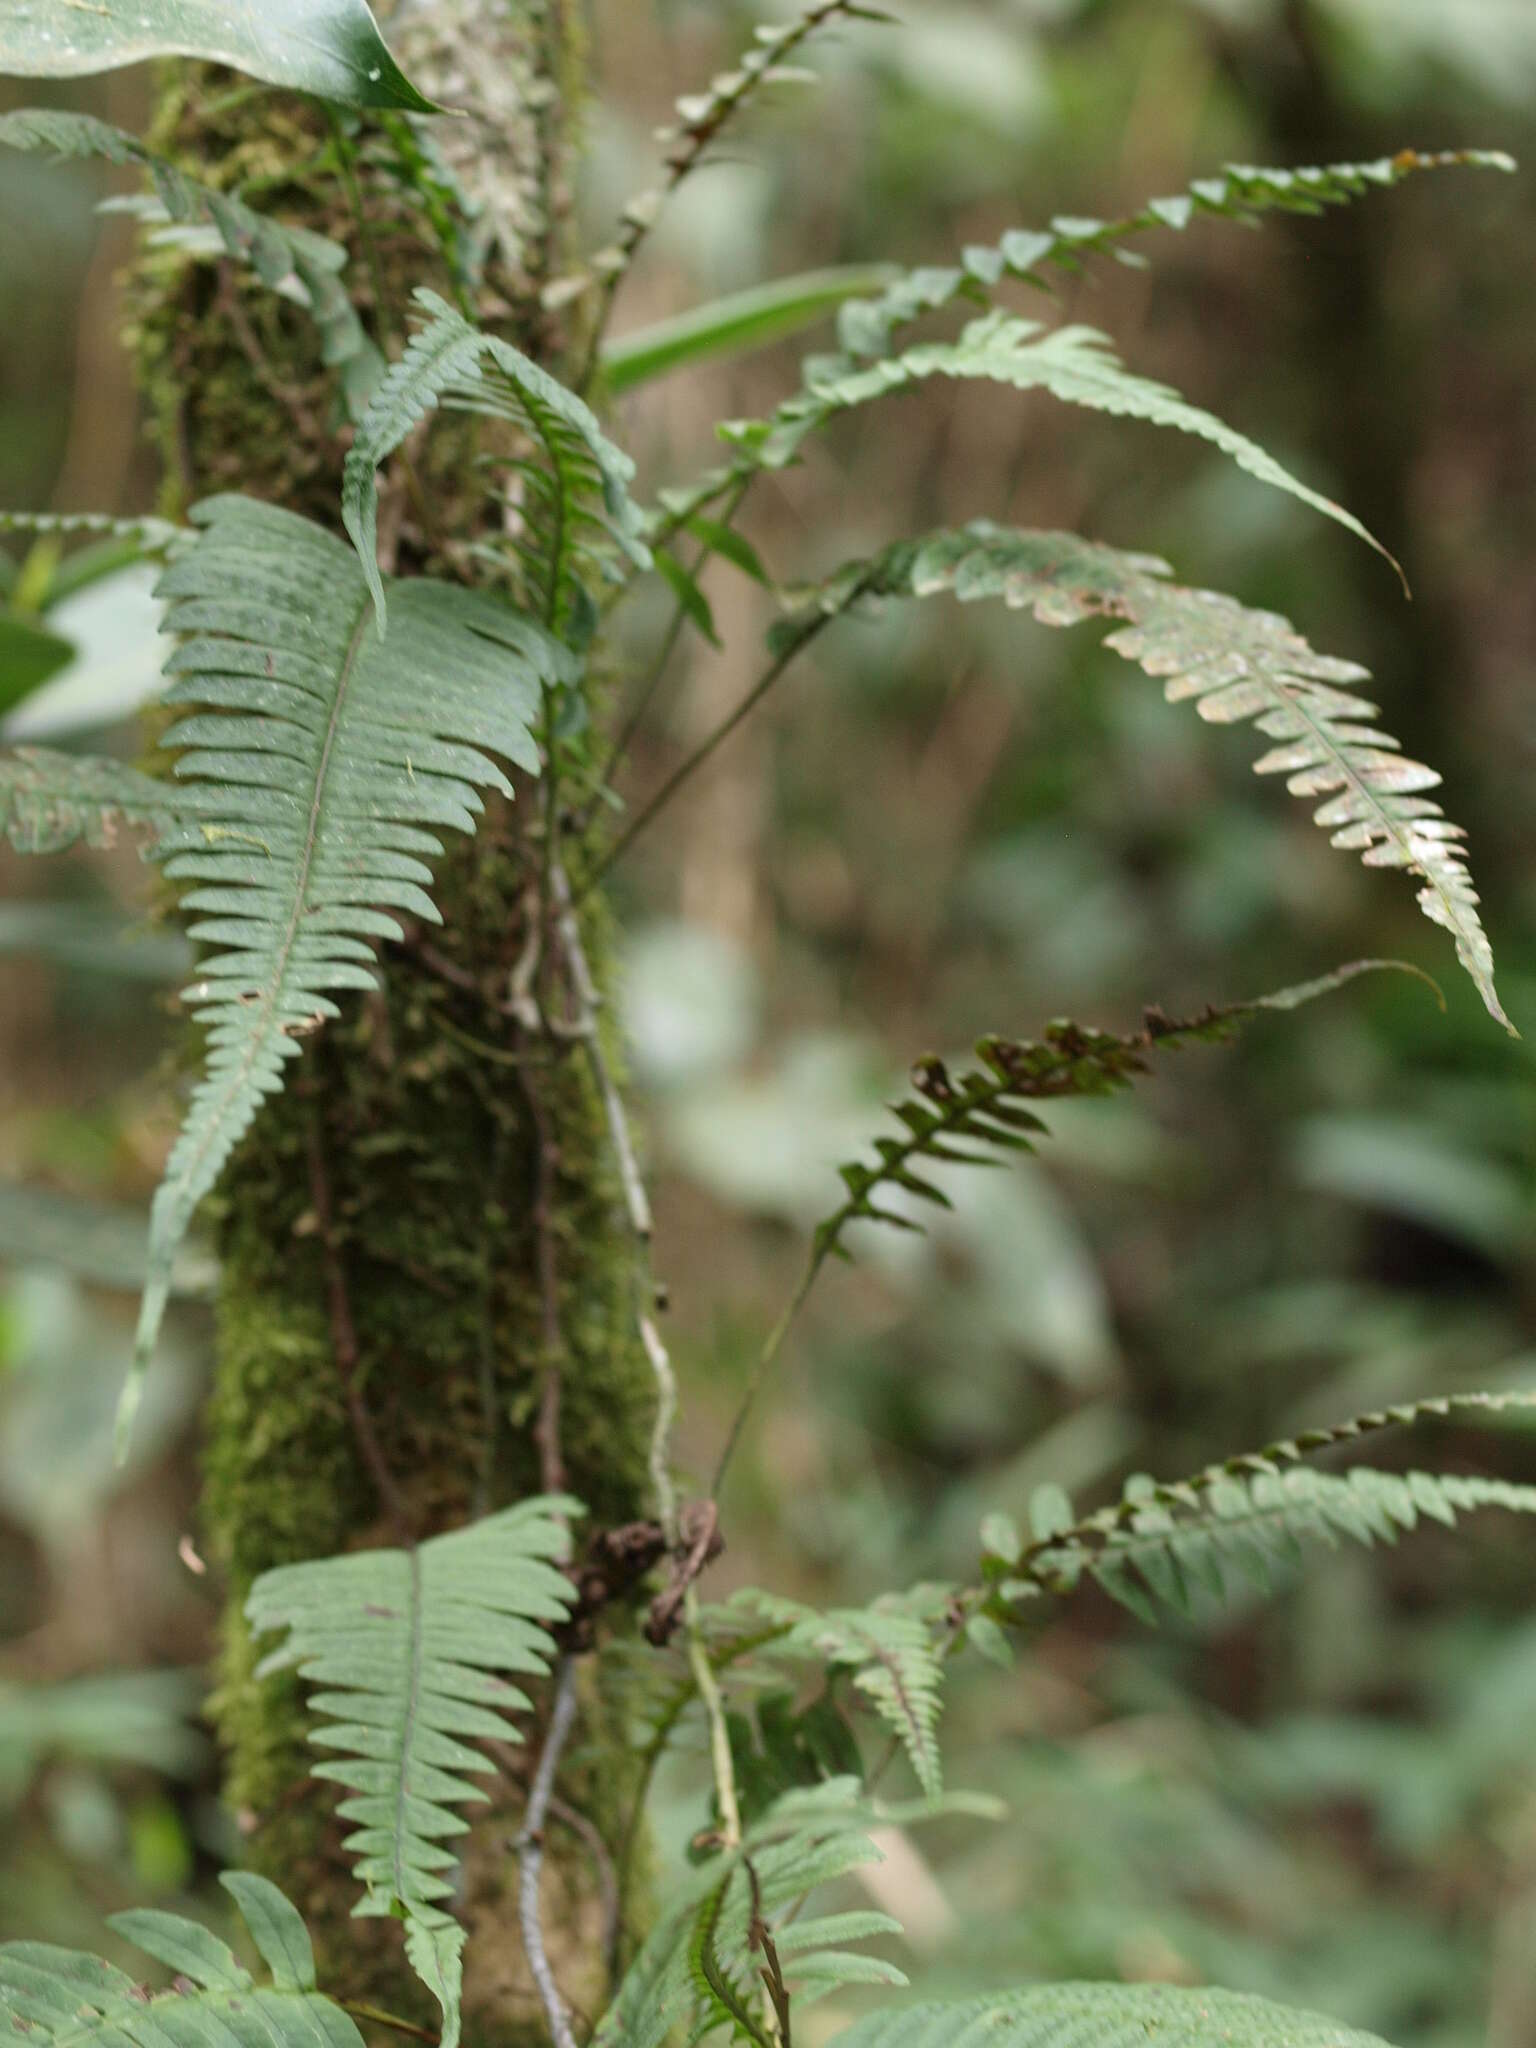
(307,265)
(451,362)
(71,1999)
(1104,2016)
(314,773)
(409,1653)
(1075,364)
(1232,664)
(1241,192)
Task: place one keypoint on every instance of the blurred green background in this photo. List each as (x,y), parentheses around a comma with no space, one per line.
(946,823)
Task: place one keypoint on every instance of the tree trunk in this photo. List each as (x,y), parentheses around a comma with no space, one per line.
(422,1241)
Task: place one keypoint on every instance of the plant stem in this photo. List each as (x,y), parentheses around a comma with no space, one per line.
(530,1853)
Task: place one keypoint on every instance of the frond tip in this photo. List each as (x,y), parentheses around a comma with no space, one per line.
(410,1651)
(1232,664)
(314,773)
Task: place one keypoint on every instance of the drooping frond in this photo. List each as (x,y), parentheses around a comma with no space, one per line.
(974,1118)
(1242,192)
(1171,1541)
(1075,364)
(296,260)
(712,1955)
(409,1652)
(312,779)
(1104,2016)
(891,1655)
(73,1999)
(575,500)
(1231,663)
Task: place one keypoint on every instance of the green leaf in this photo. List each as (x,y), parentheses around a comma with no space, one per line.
(408,1653)
(736,324)
(690,597)
(71,1999)
(1104,2016)
(1232,664)
(329,47)
(29,655)
(311,780)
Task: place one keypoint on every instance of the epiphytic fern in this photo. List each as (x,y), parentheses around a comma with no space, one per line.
(293,259)
(890,1653)
(711,1959)
(1231,663)
(574,501)
(1074,364)
(410,1650)
(311,782)
(1104,2016)
(1242,192)
(72,1999)
(1170,1542)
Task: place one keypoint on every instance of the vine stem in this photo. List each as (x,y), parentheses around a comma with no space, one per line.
(530,1854)
(721,1762)
(377,2017)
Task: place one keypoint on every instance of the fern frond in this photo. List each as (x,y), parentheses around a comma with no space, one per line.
(975,1118)
(701,1965)
(892,1658)
(450,362)
(1170,1543)
(408,1651)
(312,778)
(1242,192)
(1075,364)
(72,1999)
(296,259)
(1104,2016)
(1232,664)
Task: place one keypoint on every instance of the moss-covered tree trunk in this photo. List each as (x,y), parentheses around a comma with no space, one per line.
(424,1254)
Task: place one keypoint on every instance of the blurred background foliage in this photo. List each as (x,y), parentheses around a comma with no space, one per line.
(944,823)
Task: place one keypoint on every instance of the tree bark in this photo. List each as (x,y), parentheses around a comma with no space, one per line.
(423,1245)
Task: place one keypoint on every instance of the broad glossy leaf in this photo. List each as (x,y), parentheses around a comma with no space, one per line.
(329,47)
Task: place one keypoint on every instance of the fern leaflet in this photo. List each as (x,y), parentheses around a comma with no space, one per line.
(450,362)
(1104,2016)
(1074,364)
(1242,192)
(73,1999)
(409,1650)
(1232,664)
(892,1658)
(293,259)
(311,782)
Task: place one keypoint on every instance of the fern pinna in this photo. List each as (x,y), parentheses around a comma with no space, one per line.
(313,775)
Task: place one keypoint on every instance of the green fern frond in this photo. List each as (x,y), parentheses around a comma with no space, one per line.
(892,1658)
(1232,664)
(408,1651)
(1242,192)
(1104,2016)
(73,1999)
(1074,364)
(1172,1543)
(700,1966)
(312,778)
(973,1119)
(292,259)
(450,362)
